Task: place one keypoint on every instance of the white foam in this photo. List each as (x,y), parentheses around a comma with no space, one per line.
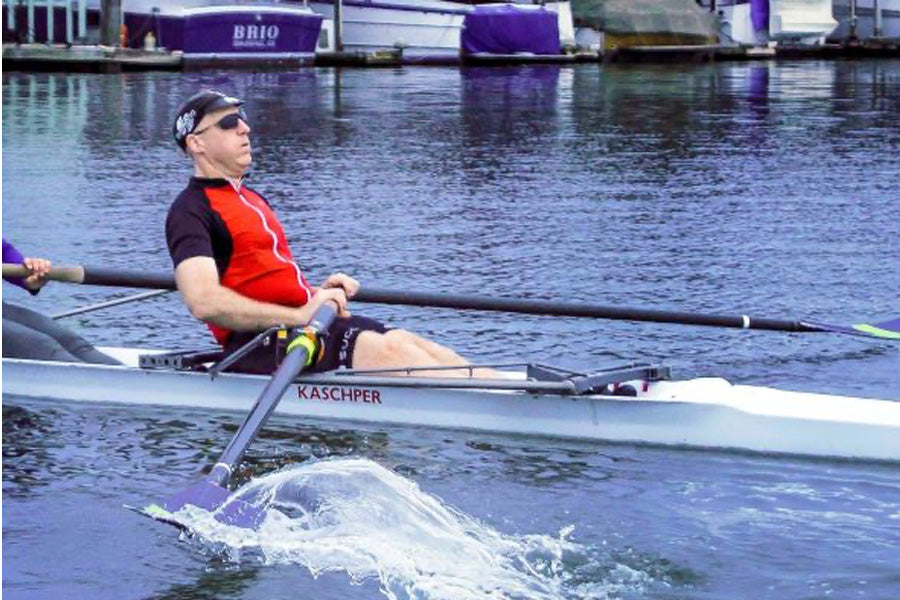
(354,516)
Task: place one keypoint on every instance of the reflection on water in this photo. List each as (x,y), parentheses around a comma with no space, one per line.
(217,582)
(23,434)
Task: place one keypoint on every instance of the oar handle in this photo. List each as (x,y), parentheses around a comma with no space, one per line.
(66,274)
(99,276)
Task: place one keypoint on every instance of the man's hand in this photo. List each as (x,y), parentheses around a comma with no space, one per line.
(339,280)
(39,268)
(324,294)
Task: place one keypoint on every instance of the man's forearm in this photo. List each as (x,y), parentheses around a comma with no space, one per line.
(231,310)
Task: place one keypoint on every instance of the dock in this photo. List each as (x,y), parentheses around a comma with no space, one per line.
(109,59)
(384,58)
(91,59)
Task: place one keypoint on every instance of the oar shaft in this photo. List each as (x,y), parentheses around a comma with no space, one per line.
(262,410)
(568,309)
(290,367)
(117,277)
(110,303)
(129,278)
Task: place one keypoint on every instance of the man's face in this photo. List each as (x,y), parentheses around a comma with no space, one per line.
(228,147)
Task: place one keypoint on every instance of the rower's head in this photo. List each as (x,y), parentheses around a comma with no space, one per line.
(212,129)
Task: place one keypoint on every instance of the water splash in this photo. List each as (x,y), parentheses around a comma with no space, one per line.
(354,516)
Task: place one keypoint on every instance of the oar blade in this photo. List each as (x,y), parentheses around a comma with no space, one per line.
(241,514)
(213,498)
(203,494)
(889,330)
(886,330)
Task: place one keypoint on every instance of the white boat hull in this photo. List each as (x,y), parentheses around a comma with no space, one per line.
(702,413)
(790,21)
(423,29)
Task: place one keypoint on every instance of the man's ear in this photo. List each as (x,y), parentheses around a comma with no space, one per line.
(194,145)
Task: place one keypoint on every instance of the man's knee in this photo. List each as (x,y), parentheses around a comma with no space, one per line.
(379,349)
(400,335)
(398,343)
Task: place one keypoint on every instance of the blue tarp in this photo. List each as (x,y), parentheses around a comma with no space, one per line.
(510,30)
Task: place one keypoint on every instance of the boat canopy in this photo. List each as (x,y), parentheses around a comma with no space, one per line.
(647,22)
(509,29)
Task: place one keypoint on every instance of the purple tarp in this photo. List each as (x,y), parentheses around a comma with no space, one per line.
(510,30)
(759,14)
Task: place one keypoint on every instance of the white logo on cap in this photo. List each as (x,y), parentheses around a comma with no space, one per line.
(185,123)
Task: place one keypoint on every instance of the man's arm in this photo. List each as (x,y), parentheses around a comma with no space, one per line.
(208,300)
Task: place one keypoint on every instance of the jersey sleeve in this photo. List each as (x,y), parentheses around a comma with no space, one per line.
(12,255)
(189,229)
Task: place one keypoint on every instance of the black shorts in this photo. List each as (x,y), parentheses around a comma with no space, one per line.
(337,352)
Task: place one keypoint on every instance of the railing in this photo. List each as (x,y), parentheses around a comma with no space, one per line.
(73,8)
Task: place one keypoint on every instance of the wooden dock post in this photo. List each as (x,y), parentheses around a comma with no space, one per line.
(338,33)
(82,19)
(110,22)
(50,22)
(877,26)
(70,22)
(10,16)
(29,35)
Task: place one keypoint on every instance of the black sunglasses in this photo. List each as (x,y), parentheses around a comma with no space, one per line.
(229,121)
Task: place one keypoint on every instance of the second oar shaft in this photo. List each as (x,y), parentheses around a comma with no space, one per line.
(110,303)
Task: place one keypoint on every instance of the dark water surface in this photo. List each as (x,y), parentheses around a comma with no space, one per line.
(765,189)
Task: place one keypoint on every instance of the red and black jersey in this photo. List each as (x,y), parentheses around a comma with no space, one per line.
(239,230)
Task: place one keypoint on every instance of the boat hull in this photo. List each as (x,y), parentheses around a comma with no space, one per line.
(700,413)
(203,32)
(242,31)
(425,30)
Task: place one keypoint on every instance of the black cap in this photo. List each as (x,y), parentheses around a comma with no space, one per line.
(195,108)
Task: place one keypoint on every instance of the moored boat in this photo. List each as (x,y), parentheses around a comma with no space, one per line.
(418,30)
(760,22)
(201,29)
(423,30)
(533,400)
(213,33)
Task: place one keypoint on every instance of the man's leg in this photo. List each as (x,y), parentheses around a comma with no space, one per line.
(71,346)
(20,341)
(400,348)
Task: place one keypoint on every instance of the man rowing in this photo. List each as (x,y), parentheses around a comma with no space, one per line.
(236,272)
